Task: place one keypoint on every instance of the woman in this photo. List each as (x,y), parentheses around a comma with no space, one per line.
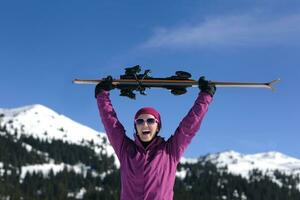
(148,163)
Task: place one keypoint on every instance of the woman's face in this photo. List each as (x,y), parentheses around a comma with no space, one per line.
(146,126)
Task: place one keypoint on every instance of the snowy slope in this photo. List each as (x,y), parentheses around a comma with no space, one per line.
(268,162)
(44,123)
(242,164)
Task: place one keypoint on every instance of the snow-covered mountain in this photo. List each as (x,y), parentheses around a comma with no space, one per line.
(44,124)
(243,164)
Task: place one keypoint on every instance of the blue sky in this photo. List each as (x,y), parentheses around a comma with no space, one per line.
(44,45)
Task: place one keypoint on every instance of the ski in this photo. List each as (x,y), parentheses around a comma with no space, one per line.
(132,80)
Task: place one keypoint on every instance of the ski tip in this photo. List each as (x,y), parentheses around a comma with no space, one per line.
(271,84)
(77,81)
(80,81)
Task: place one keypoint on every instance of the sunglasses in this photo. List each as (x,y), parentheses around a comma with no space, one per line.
(149,121)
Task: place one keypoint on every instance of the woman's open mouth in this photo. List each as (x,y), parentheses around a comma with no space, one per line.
(146,132)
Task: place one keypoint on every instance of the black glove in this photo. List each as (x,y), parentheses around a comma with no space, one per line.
(206,86)
(105,84)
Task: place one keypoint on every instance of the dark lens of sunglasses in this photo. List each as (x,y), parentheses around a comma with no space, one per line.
(142,121)
(139,121)
(150,121)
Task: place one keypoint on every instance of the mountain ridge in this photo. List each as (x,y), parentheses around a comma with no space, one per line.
(44,123)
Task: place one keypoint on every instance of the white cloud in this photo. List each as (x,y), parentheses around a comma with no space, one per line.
(229,31)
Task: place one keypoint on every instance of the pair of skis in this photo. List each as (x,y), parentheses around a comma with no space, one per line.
(133,80)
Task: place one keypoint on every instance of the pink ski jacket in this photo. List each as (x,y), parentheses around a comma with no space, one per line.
(149,174)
